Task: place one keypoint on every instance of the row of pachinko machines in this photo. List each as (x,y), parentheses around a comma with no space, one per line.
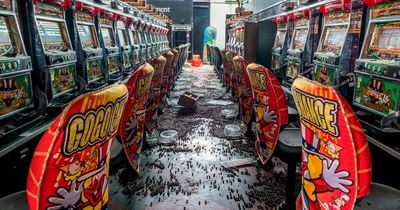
(52,51)
(326,44)
(332,88)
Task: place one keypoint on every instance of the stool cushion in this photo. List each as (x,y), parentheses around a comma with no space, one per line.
(267,109)
(380,197)
(15,201)
(69,168)
(244,89)
(289,144)
(132,124)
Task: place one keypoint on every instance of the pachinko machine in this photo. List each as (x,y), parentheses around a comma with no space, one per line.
(54,59)
(303,44)
(333,56)
(89,54)
(121,24)
(281,45)
(111,52)
(377,89)
(18,107)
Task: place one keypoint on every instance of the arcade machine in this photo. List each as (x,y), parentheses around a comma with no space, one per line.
(16,89)
(333,56)
(303,44)
(111,52)
(121,25)
(147,38)
(240,39)
(143,39)
(54,60)
(281,45)
(377,93)
(135,37)
(151,36)
(231,42)
(89,54)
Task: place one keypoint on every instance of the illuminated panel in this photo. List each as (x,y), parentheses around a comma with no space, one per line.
(5,39)
(385,41)
(86,36)
(300,39)
(107,37)
(279,39)
(334,37)
(63,79)
(122,37)
(51,35)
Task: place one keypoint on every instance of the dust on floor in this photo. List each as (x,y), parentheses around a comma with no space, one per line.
(188,173)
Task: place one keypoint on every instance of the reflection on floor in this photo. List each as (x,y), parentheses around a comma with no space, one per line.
(188,173)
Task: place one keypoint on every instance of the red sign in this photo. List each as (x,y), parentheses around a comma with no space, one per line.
(169,56)
(69,168)
(336,161)
(244,89)
(154,99)
(268,110)
(133,121)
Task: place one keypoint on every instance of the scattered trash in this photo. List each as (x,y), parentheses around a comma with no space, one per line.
(220,102)
(188,100)
(228,113)
(232,130)
(168,136)
(238,162)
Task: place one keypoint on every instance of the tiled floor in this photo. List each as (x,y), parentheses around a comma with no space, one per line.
(188,174)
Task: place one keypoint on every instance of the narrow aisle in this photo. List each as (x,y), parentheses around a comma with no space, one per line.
(188,174)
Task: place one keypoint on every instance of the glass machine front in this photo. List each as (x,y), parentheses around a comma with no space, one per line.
(15,69)
(136,46)
(330,62)
(295,53)
(92,53)
(107,34)
(124,46)
(278,48)
(378,68)
(55,45)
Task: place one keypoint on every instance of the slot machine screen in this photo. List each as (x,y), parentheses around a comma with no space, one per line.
(142,40)
(122,37)
(86,35)
(300,39)
(51,34)
(5,39)
(107,37)
(334,38)
(280,39)
(133,38)
(389,38)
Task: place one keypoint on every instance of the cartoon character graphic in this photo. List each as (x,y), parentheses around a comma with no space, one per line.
(89,182)
(65,76)
(112,65)
(323,76)
(321,172)
(376,93)
(93,70)
(12,95)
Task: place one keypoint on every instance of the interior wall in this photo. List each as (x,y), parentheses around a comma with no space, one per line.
(218,11)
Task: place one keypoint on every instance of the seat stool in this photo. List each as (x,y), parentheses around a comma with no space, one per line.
(380,197)
(289,150)
(15,201)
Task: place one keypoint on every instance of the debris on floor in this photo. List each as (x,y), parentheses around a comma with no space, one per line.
(187,173)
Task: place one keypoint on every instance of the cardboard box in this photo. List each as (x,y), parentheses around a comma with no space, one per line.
(188,100)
